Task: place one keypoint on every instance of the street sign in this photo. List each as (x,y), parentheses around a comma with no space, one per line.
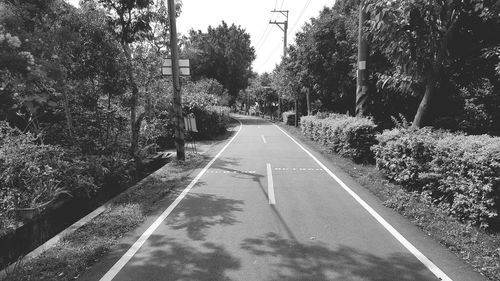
(190,124)
(168,71)
(183,67)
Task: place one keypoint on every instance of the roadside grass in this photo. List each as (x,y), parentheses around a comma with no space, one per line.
(84,247)
(479,248)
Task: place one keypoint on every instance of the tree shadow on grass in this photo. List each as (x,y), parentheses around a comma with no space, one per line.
(178,261)
(199,212)
(316,261)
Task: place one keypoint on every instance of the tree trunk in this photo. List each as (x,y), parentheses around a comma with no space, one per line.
(133,103)
(279,108)
(296,113)
(67,111)
(423,108)
(308,98)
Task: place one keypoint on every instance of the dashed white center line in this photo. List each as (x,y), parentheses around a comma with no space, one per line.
(270,186)
(263,139)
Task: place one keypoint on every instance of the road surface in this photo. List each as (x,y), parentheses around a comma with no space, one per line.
(267,209)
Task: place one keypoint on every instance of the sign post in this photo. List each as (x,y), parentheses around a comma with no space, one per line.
(174,62)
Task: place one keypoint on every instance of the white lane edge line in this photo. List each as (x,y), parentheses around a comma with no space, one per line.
(421,257)
(263,139)
(144,237)
(270,185)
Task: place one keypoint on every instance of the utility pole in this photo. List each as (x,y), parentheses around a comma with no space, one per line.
(283,25)
(179,118)
(362,85)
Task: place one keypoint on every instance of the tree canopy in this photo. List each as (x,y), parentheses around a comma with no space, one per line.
(223,53)
(436,62)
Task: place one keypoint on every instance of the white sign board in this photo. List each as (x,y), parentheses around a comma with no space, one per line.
(168,71)
(190,124)
(183,67)
(182,62)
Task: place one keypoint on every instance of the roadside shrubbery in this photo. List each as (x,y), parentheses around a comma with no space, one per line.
(460,172)
(32,174)
(349,136)
(211,121)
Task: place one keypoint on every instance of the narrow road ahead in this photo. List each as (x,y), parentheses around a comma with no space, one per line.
(265,209)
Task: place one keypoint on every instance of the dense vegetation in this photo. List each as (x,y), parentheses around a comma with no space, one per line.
(436,63)
(82,99)
(460,173)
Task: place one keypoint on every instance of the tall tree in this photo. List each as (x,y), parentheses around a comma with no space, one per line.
(131,20)
(223,53)
(418,36)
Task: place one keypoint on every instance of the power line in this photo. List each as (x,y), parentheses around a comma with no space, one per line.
(265,34)
(269,57)
(300,15)
(282,2)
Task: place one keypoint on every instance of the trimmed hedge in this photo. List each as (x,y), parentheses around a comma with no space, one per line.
(460,172)
(349,136)
(211,121)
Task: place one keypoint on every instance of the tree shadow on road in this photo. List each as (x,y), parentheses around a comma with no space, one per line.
(199,212)
(178,261)
(316,261)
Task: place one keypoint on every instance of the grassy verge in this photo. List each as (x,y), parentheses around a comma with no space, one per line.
(477,247)
(79,250)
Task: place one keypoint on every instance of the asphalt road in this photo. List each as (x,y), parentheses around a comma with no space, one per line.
(265,209)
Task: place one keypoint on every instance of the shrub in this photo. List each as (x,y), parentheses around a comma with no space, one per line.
(32,174)
(404,155)
(459,171)
(469,176)
(211,121)
(349,136)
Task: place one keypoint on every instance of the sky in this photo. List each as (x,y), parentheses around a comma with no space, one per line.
(254,17)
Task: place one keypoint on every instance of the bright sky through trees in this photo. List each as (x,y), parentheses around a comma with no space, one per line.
(254,16)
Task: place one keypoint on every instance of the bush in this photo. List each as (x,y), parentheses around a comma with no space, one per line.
(211,121)
(404,155)
(351,137)
(461,172)
(32,174)
(468,169)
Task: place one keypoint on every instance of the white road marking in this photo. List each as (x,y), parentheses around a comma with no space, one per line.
(263,139)
(421,257)
(137,245)
(270,185)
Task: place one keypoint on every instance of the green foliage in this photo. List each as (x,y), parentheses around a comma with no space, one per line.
(404,154)
(323,56)
(211,121)
(445,50)
(223,53)
(459,171)
(480,109)
(202,94)
(349,136)
(32,174)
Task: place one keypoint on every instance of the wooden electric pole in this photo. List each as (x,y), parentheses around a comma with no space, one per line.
(179,118)
(283,25)
(362,81)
